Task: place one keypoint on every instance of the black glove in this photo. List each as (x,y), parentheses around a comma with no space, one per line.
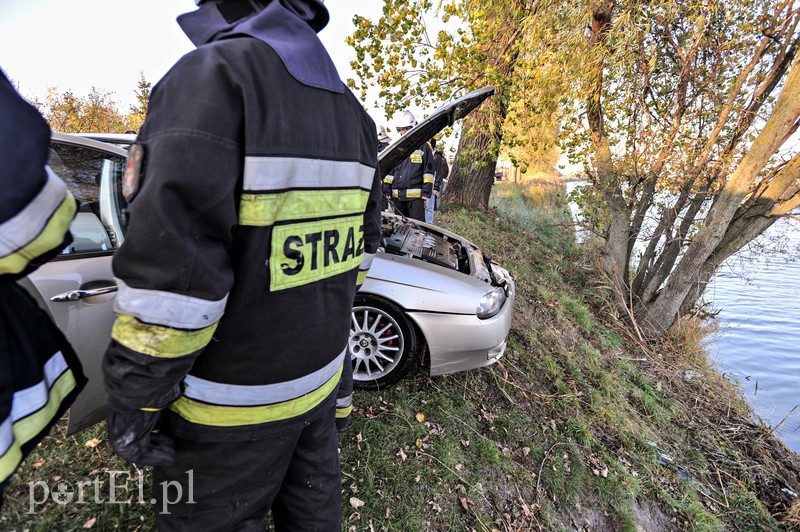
(131,435)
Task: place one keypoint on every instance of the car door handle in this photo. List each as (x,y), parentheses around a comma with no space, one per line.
(75,295)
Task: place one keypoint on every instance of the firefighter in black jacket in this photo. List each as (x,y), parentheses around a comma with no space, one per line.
(410,183)
(254,217)
(40,375)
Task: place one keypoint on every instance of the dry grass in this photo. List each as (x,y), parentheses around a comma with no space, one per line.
(792,519)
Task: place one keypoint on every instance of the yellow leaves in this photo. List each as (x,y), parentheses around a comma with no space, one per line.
(420,417)
(94,442)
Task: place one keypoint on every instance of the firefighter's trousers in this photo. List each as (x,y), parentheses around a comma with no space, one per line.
(233,485)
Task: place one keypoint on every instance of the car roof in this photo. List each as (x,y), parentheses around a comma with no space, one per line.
(77,139)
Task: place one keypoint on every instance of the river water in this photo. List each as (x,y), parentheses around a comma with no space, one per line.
(758,345)
(757,295)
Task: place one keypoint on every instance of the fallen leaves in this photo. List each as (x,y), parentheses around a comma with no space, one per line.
(435,506)
(598,467)
(94,442)
(356,503)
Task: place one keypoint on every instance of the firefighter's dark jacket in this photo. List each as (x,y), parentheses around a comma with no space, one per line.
(256,218)
(413,177)
(39,373)
(441,170)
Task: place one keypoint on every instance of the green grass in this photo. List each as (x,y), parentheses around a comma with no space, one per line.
(556,436)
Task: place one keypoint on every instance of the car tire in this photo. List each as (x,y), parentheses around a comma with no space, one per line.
(383,343)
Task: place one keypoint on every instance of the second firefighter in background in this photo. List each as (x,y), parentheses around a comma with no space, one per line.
(410,183)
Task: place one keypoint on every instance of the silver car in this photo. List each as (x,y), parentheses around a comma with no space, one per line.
(428,290)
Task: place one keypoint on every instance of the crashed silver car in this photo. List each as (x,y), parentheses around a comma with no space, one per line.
(428,291)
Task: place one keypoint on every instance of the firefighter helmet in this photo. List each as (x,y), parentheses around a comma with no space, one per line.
(406,121)
(383,134)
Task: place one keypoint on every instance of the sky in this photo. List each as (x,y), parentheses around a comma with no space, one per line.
(79,44)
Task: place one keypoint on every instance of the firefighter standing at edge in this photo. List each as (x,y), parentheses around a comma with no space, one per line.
(256,218)
(410,183)
(40,375)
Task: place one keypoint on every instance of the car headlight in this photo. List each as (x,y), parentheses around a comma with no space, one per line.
(491,303)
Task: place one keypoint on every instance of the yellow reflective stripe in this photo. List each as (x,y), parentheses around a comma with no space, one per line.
(306,252)
(267,209)
(233,416)
(28,427)
(427,179)
(388,179)
(413,193)
(51,236)
(344,412)
(9,461)
(150,409)
(362,276)
(158,341)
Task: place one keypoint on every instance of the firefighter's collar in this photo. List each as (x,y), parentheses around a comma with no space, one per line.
(292,38)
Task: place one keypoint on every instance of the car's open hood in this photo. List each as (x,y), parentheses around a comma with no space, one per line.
(440,119)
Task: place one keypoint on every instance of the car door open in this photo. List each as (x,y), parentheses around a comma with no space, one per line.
(77,287)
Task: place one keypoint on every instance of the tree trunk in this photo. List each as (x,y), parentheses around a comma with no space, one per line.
(472,176)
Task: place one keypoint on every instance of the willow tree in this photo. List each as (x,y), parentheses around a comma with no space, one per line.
(477,43)
(685,112)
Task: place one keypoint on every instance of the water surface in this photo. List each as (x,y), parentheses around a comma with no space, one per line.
(758,297)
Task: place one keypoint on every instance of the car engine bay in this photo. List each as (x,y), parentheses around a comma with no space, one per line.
(406,238)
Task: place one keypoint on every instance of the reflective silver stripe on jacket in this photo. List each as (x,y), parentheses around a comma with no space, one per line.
(160,307)
(242,395)
(25,226)
(279,173)
(366,262)
(344,402)
(33,398)
(6,436)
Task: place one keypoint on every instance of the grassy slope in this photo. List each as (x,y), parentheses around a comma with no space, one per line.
(560,435)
